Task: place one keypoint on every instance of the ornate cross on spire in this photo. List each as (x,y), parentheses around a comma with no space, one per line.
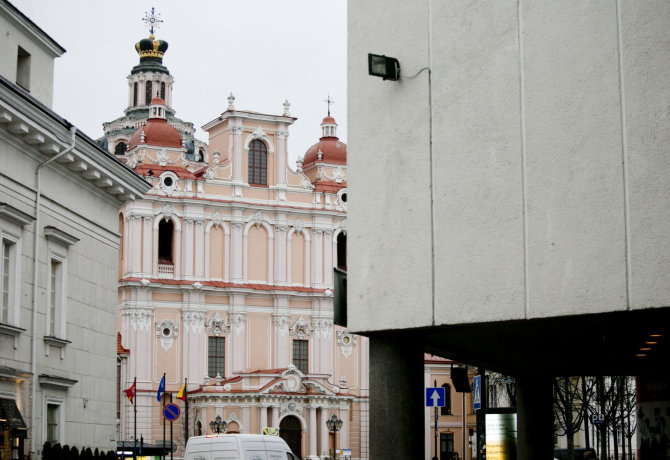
(329,101)
(152,21)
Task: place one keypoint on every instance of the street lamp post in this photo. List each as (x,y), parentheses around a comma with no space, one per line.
(334,425)
(218,425)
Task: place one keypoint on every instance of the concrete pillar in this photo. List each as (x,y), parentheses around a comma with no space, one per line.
(535,433)
(397,421)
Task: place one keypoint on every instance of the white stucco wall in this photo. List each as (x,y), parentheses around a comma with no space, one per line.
(548,126)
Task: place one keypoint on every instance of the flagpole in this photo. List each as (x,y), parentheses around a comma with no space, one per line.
(163,405)
(185,410)
(135,417)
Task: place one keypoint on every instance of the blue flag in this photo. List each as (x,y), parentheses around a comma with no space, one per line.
(161,389)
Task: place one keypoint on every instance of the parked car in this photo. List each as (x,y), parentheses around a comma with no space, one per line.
(238,447)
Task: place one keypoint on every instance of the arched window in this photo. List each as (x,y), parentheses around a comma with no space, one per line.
(258,167)
(163,90)
(135,94)
(147,96)
(165,232)
(120,148)
(446,409)
(342,251)
(198,429)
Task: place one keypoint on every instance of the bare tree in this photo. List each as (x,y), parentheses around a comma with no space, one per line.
(571,401)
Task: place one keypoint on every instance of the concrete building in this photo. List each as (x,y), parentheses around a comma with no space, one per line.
(509,199)
(59,200)
(226,275)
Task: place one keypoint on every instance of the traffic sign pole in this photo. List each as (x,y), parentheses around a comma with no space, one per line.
(436,420)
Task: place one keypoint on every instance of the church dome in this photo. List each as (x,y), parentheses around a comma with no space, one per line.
(329,149)
(157,131)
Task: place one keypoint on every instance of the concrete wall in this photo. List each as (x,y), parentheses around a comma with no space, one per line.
(18,31)
(527,178)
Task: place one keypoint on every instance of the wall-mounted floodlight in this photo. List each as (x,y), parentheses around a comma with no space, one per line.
(383,66)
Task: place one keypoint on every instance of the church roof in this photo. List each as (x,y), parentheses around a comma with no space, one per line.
(157,132)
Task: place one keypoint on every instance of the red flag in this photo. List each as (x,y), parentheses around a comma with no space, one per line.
(130,393)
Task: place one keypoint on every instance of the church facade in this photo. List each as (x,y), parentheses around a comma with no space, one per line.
(226,276)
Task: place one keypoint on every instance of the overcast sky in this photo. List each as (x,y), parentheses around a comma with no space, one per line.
(263,51)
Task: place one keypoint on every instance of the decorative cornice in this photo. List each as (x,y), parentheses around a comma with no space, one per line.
(59,236)
(12,214)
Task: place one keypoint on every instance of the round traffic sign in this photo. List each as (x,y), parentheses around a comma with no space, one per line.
(171,412)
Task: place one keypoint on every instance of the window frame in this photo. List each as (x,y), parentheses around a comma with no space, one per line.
(9,278)
(212,355)
(59,406)
(257,170)
(299,360)
(56,296)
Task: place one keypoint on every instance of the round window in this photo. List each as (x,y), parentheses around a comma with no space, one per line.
(343,197)
(167,181)
(167,331)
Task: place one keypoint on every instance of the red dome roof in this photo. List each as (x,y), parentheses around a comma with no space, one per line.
(156,132)
(333,151)
(157,101)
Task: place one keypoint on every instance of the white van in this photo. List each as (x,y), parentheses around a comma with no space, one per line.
(238,447)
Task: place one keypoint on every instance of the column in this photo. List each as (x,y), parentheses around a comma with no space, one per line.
(396,393)
(317,247)
(147,246)
(246,419)
(281,263)
(312,433)
(275,416)
(282,134)
(236,142)
(199,256)
(328,248)
(187,245)
(534,402)
(343,435)
(323,431)
(263,418)
(236,248)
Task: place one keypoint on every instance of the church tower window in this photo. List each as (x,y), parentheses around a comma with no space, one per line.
(148,92)
(258,169)
(165,232)
(342,251)
(120,148)
(163,90)
(135,94)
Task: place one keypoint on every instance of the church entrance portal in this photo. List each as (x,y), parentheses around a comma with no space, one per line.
(291,432)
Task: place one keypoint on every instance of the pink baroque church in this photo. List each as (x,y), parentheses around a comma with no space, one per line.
(226,275)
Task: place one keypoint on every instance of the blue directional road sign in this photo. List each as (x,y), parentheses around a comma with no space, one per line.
(171,412)
(477,392)
(435,397)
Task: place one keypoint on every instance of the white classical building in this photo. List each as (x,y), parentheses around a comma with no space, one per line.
(59,200)
(226,275)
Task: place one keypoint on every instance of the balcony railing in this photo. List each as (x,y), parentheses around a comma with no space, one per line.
(165,270)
